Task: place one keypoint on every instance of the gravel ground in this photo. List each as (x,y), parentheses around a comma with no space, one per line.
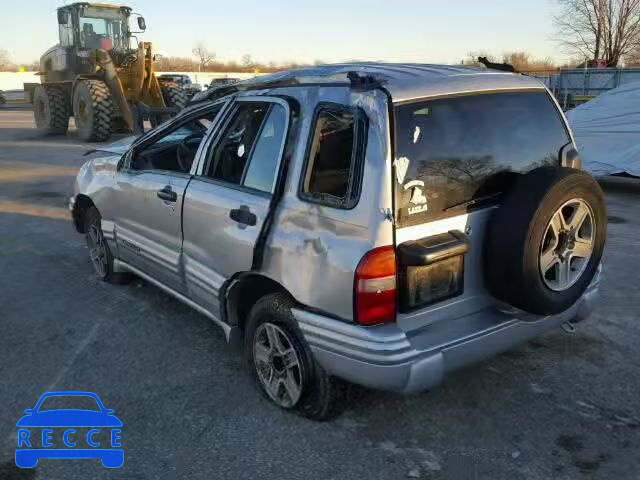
(563,406)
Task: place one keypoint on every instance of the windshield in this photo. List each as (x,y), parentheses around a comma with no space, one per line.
(105,28)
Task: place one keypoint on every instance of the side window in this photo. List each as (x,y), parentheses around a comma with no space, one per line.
(249,149)
(334,166)
(230,156)
(66,33)
(175,149)
(264,161)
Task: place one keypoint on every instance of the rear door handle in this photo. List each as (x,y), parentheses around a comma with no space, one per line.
(243,215)
(167,194)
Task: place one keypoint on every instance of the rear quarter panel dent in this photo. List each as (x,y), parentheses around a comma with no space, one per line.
(314,249)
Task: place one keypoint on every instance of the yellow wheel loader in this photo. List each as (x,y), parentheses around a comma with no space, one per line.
(96,76)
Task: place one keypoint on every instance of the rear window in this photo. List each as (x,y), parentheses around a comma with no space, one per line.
(457,153)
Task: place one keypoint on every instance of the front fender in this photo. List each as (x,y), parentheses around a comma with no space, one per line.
(93,186)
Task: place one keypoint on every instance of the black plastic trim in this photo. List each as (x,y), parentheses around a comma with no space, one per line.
(430,250)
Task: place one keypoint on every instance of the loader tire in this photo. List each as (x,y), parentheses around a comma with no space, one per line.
(51,110)
(174,96)
(93,110)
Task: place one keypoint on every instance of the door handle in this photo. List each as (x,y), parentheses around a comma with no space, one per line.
(167,194)
(243,215)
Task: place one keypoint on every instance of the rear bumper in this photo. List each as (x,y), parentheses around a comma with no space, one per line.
(387,358)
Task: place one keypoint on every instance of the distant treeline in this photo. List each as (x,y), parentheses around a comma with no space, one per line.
(186,64)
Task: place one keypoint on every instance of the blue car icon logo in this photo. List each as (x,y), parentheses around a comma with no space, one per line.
(88,431)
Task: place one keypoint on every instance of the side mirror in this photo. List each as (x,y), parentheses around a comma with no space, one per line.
(109,411)
(29,411)
(206,85)
(142,25)
(63,17)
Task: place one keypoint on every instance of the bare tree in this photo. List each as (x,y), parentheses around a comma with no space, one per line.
(247,60)
(205,57)
(525,62)
(597,29)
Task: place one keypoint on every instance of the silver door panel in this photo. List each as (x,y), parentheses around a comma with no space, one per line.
(148,229)
(215,247)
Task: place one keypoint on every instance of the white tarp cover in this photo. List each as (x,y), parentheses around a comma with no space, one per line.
(607,131)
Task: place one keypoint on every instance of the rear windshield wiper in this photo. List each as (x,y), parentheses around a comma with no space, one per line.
(474,201)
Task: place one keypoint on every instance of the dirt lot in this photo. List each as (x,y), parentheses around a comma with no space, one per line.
(564,406)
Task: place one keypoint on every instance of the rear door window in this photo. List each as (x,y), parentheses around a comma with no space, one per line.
(231,155)
(251,146)
(266,154)
(454,154)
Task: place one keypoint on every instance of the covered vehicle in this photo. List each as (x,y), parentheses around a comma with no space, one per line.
(607,131)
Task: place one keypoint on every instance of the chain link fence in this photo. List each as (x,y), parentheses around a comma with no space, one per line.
(576,86)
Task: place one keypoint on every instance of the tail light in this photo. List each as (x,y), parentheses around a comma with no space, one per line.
(375,287)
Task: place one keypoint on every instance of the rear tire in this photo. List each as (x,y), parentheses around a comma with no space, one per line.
(321,396)
(99,251)
(51,110)
(93,110)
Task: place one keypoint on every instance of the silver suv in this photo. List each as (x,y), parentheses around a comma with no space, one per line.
(376,223)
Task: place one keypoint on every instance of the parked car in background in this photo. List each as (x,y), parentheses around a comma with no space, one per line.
(214,93)
(216,89)
(184,81)
(218,82)
(3,100)
(374,223)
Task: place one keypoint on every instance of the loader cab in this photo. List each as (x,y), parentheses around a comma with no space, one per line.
(90,27)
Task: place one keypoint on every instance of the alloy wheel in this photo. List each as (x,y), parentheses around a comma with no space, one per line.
(277,364)
(97,250)
(567,245)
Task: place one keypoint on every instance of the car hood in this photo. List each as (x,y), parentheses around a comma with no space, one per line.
(118,148)
(69,418)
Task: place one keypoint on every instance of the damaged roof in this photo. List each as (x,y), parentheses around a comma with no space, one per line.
(404,81)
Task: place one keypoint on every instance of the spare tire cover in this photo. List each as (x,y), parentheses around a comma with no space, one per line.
(545,242)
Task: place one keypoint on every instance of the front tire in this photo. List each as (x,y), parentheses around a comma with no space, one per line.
(282,364)
(99,251)
(51,110)
(93,110)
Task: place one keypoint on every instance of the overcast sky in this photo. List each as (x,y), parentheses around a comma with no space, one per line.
(304,31)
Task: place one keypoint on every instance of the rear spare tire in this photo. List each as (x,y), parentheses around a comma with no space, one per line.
(93,110)
(545,242)
(51,110)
